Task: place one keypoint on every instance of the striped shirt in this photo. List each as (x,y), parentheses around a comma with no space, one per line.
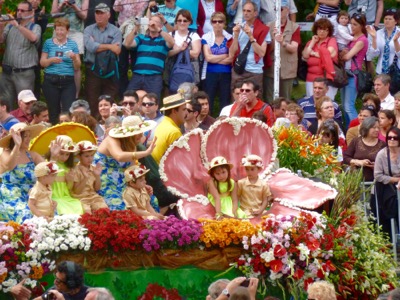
(20,52)
(151,55)
(324,9)
(66,67)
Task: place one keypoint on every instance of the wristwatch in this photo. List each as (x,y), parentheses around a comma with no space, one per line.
(225,292)
(253,41)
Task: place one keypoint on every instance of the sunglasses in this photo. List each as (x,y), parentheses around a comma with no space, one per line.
(149,104)
(217,22)
(190,110)
(128,103)
(23,10)
(392,138)
(391,10)
(108,97)
(182,21)
(245,90)
(357,16)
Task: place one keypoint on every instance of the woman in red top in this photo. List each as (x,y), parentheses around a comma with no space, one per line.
(322,39)
(206,9)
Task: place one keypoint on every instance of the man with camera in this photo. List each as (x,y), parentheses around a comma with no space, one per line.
(167,13)
(68,283)
(22,39)
(152,50)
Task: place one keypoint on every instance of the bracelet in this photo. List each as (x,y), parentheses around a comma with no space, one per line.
(134,156)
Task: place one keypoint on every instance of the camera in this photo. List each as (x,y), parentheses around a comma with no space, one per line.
(70,2)
(119,108)
(154,9)
(48,296)
(245,283)
(5,17)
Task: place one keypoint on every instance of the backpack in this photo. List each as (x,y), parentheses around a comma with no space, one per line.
(182,71)
(106,65)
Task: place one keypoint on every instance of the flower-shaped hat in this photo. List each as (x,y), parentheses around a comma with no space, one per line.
(219,161)
(134,172)
(46,168)
(252,160)
(84,146)
(132,125)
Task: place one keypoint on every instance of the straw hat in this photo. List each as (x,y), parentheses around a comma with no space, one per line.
(85,146)
(67,144)
(132,125)
(35,130)
(134,172)
(46,168)
(219,161)
(174,101)
(252,160)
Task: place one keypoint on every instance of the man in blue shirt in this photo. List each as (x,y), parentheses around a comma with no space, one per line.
(152,50)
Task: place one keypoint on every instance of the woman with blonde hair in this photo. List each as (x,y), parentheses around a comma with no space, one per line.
(321,290)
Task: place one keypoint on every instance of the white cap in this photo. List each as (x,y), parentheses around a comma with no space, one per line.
(26,96)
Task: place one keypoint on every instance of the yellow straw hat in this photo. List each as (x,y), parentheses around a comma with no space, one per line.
(84,146)
(134,172)
(132,125)
(174,101)
(252,160)
(46,168)
(67,145)
(219,161)
(35,130)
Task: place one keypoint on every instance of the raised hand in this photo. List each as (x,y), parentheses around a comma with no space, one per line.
(97,169)
(16,136)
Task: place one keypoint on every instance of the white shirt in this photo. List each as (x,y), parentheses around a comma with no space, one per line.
(388,102)
(226,111)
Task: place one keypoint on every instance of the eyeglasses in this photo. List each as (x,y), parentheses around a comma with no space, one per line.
(149,104)
(245,90)
(128,103)
(182,21)
(190,110)
(217,21)
(58,280)
(23,10)
(392,138)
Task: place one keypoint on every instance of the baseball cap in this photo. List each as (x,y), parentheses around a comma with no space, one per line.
(26,96)
(102,7)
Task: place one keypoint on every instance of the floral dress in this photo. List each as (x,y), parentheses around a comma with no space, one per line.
(14,191)
(112,180)
(66,204)
(226,200)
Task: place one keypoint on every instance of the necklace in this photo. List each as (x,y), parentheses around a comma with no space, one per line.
(59,43)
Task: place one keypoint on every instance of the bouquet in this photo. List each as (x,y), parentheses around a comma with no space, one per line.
(171,233)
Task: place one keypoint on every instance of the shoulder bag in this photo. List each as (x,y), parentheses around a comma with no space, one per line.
(240,62)
(364,79)
(394,73)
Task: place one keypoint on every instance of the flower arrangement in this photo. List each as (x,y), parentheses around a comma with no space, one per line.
(171,233)
(113,231)
(15,262)
(300,151)
(225,232)
(288,251)
(63,233)
(155,291)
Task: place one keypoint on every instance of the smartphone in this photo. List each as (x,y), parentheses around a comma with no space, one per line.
(245,283)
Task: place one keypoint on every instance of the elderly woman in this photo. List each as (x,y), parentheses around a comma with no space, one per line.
(387,172)
(322,46)
(295,114)
(357,50)
(365,112)
(17,166)
(362,150)
(288,37)
(60,59)
(217,67)
(385,42)
(324,110)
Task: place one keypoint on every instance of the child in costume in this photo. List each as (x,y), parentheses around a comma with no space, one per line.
(136,196)
(86,180)
(40,202)
(253,193)
(66,204)
(222,190)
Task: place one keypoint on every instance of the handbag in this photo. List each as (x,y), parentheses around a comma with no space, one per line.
(387,196)
(302,69)
(394,73)
(340,80)
(364,79)
(240,62)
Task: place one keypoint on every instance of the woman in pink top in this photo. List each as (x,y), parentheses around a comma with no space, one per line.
(322,39)
(356,54)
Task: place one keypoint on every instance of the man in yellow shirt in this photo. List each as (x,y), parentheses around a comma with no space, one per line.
(168,131)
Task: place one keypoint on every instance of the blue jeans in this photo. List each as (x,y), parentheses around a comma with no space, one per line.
(148,83)
(349,95)
(59,92)
(218,83)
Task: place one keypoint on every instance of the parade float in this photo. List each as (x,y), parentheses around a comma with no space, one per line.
(316,228)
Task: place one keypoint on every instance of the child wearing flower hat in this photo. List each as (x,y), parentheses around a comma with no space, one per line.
(135,196)
(222,190)
(254,194)
(86,178)
(40,202)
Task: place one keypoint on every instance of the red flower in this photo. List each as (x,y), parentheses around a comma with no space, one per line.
(276,265)
(298,274)
(313,244)
(279,251)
